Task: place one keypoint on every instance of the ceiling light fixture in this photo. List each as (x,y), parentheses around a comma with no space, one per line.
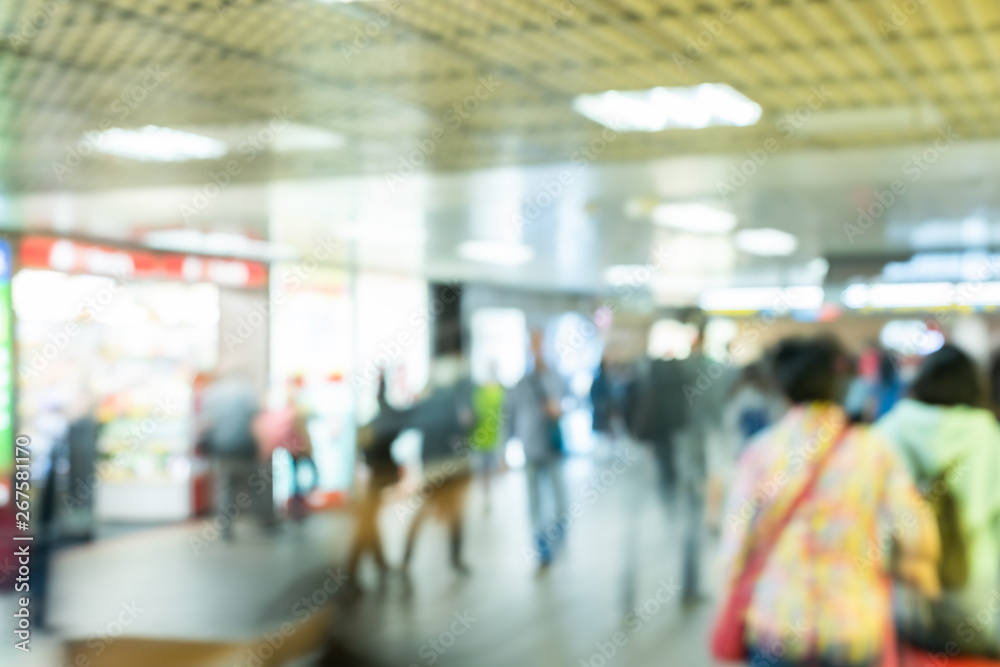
(751,299)
(226,244)
(496,252)
(160,144)
(656,109)
(899,295)
(698,218)
(766,242)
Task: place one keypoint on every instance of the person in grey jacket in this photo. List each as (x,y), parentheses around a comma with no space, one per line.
(534,408)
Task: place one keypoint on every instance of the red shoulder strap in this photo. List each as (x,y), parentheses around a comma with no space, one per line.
(761,554)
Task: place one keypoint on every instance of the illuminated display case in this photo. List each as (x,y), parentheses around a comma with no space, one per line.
(119,335)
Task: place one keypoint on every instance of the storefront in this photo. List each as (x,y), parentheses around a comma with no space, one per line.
(114,338)
(312,337)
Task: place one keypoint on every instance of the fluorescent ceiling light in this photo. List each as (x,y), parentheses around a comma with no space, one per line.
(899,295)
(160,144)
(217,243)
(698,218)
(302,138)
(496,252)
(741,299)
(766,242)
(693,107)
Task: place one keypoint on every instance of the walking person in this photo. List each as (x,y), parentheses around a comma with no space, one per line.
(950,441)
(534,411)
(659,410)
(445,418)
(375,442)
(602,403)
(228,408)
(486,441)
(806,583)
(700,431)
(286,428)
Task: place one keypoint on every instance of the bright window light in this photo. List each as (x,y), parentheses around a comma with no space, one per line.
(496,252)
(698,218)
(627,274)
(374,232)
(766,242)
(693,107)
(911,337)
(746,299)
(160,144)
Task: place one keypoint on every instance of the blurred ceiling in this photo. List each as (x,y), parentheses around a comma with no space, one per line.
(383,75)
(407,127)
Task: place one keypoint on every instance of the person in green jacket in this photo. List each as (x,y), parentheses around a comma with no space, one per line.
(487,404)
(951,443)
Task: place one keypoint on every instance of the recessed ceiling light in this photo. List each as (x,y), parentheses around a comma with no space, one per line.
(766,242)
(698,218)
(692,107)
(496,252)
(160,144)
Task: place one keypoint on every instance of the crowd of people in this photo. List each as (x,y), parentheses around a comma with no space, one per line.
(856,534)
(854,504)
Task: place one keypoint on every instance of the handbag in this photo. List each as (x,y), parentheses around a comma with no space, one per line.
(727,639)
(553,428)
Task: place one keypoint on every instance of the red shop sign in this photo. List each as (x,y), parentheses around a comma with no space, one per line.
(43,252)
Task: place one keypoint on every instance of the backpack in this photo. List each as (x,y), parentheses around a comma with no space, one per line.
(953,567)
(662,408)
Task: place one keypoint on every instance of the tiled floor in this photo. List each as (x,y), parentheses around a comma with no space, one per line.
(621,553)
